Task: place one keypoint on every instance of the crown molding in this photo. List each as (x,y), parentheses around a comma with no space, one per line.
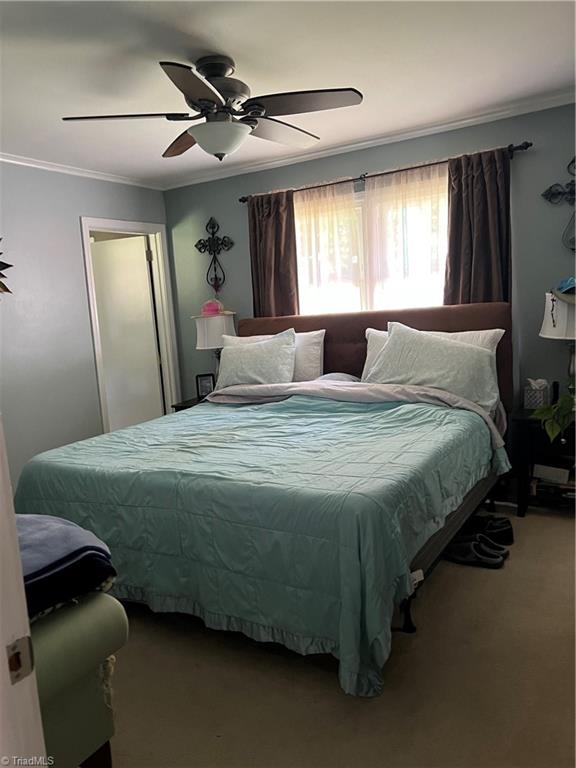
(71,170)
(557,99)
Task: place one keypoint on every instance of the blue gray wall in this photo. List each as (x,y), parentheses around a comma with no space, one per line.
(48,388)
(539,259)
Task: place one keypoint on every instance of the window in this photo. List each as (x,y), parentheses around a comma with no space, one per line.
(382,248)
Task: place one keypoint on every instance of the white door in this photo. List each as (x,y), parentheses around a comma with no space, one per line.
(128,361)
(20,724)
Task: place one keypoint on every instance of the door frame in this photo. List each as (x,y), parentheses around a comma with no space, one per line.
(162,294)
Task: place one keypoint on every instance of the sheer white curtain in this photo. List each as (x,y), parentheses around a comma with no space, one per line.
(328,247)
(383,248)
(406,237)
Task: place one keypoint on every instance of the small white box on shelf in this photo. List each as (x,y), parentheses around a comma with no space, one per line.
(555,475)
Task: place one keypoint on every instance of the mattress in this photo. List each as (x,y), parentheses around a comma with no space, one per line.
(291,521)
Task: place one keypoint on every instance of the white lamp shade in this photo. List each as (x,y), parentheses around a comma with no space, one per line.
(210,328)
(559,319)
(220,139)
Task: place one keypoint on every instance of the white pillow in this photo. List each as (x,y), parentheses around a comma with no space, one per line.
(376,341)
(487,339)
(309,352)
(420,358)
(264,362)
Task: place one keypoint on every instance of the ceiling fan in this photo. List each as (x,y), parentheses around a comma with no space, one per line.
(231,114)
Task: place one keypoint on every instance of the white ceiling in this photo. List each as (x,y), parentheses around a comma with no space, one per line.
(419,65)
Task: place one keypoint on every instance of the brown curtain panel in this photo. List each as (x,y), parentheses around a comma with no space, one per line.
(273,254)
(478,265)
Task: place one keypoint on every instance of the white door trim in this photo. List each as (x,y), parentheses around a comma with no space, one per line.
(164,303)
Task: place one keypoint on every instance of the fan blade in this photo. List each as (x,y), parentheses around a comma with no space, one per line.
(283,133)
(167,115)
(180,145)
(304,101)
(195,87)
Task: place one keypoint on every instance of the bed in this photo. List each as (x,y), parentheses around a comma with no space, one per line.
(299,521)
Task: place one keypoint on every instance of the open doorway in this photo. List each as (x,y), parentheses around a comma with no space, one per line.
(132,320)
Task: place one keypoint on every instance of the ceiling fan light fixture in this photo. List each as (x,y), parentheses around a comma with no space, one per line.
(220,138)
(231,113)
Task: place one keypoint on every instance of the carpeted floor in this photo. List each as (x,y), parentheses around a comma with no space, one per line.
(486,682)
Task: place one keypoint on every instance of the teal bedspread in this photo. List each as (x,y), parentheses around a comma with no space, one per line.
(293,521)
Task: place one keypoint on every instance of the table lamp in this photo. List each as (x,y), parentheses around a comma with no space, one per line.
(559,323)
(213,322)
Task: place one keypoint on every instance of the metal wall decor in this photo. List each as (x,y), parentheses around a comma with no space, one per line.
(214,245)
(568,236)
(560,193)
(3,265)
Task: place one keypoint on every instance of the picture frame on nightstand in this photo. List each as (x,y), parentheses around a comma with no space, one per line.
(204,384)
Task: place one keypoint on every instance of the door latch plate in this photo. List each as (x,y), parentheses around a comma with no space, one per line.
(20,658)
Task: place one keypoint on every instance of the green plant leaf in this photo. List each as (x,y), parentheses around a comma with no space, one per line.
(565,407)
(555,419)
(553,429)
(544,412)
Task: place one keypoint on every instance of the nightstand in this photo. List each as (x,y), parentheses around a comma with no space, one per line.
(186,404)
(531,445)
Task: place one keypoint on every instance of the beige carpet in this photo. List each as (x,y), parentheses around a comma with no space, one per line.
(486,682)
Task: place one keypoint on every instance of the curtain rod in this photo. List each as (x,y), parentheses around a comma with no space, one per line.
(511,149)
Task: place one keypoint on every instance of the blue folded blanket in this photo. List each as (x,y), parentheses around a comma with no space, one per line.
(60,561)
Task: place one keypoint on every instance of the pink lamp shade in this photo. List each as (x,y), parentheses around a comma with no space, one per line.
(211,328)
(212,307)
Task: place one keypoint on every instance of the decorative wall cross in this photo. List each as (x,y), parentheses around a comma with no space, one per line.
(560,193)
(214,245)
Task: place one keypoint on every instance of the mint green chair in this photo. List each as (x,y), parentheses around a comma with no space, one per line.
(72,650)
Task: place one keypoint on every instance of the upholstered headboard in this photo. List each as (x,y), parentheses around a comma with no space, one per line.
(345,342)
